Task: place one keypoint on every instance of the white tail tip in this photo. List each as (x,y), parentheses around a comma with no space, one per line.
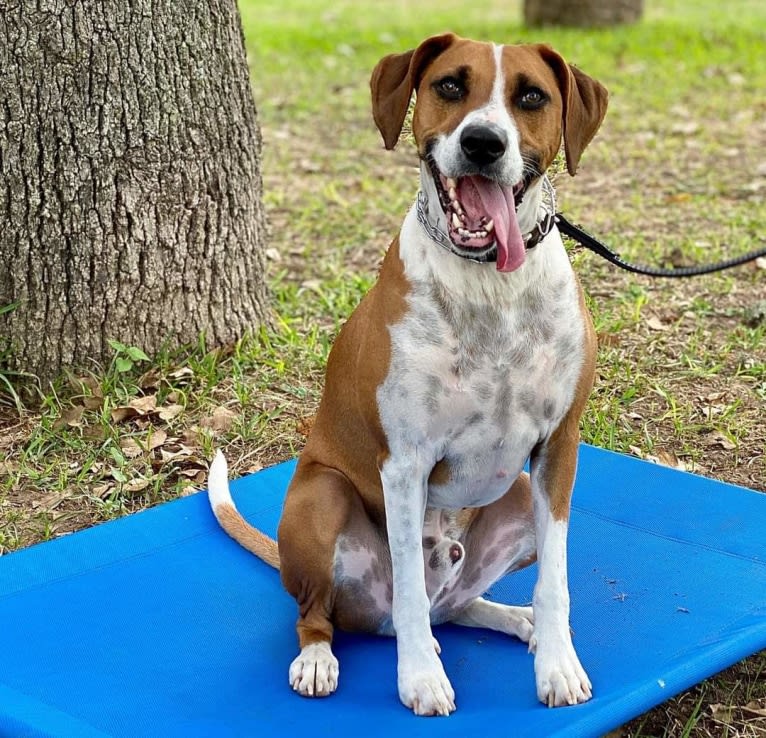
(218,482)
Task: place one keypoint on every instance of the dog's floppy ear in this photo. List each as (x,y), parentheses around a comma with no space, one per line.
(393,80)
(585,102)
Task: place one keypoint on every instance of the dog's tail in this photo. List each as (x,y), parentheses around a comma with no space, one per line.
(231,520)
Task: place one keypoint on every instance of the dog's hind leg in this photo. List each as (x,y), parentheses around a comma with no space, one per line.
(316,511)
(515,621)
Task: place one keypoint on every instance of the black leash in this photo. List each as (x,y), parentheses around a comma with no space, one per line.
(597,247)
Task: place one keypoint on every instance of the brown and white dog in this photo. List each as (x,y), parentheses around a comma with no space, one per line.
(409,499)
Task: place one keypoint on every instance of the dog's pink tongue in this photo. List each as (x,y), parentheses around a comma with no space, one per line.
(480,196)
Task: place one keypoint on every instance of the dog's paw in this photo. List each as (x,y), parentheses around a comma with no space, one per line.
(314,672)
(559,676)
(426,691)
(519,622)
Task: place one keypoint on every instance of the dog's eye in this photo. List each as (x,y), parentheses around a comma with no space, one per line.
(450,88)
(532,98)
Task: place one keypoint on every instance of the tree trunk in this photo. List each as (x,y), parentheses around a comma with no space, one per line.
(581,13)
(130,187)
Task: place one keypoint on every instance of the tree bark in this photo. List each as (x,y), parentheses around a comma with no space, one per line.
(130,186)
(581,13)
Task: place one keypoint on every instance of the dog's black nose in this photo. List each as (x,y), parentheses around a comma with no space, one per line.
(483,144)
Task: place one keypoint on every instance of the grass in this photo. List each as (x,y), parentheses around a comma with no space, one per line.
(677,174)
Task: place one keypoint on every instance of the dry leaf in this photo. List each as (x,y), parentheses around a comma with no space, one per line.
(71,417)
(135,485)
(93,403)
(754,707)
(157,439)
(190,437)
(130,448)
(196,475)
(103,490)
(722,713)
(655,324)
(151,379)
(719,439)
(137,407)
(185,372)
(667,458)
(144,405)
(636,451)
(169,411)
(176,452)
(123,413)
(220,421)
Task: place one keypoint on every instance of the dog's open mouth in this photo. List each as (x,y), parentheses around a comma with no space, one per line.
(482,213)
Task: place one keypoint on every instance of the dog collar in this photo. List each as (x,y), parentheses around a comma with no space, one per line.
(542,228)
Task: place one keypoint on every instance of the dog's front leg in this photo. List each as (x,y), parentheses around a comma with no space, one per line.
(423,685)
(560,678)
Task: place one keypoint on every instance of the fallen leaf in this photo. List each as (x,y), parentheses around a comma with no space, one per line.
(719,439)
(144,405)
(177,452)
(220,421)
(131,448)
(185,372)
(756,708)
(136,485)
(151,379)
(722,713)
(636,451)
(157,439)
(168,412)
(655,324)
(103,490)
(124,412)
(93,403)
(667,458)
(70,417)
(138,406)
(197,475)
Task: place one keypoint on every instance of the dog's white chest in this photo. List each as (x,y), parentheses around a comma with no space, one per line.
(478,385)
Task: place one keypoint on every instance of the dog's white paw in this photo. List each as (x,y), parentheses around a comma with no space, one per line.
(314,672)
(520,622)
(559,676)
(426,691)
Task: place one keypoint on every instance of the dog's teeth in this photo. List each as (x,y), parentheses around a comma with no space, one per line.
(463,232)
(451,184)
(489,226)
(456,221)
(452,194)
(481,234)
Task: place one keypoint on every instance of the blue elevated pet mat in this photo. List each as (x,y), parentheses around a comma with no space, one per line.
(160,625)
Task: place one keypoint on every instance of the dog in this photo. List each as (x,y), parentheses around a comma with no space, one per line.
(471,354)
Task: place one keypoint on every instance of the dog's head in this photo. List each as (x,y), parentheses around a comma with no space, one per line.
(488,122)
